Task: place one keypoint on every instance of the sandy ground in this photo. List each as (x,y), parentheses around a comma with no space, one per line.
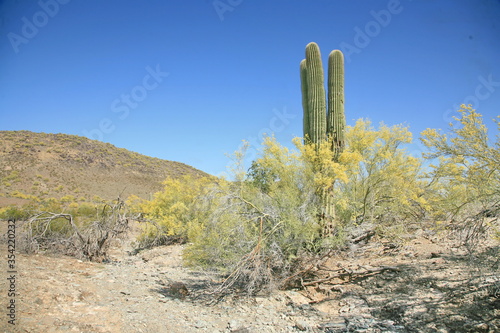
(424,286)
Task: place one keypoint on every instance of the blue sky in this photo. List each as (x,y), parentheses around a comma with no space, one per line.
(189,80)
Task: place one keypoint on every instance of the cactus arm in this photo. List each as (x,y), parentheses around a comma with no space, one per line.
(316,106)
(303,82)
(336,117)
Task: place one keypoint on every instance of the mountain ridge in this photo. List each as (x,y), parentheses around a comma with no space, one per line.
(46,165)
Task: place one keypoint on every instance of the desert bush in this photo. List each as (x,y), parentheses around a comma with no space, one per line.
(171,213)
(83,230)
(16,213)
(258,226)
(83,238)
(464,186)
(86,209)
(385,185)
(259,223)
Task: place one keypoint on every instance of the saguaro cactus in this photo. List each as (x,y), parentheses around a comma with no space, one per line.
(320,125)
(316,100)
(336,116)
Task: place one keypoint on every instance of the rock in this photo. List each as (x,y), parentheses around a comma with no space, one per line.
(234,325)
(302,325)
(201,324)
(435,255)
(178,289)
(241,330)
(483,327)
(338,326)
(297,298)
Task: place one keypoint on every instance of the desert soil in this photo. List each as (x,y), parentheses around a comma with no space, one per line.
(424,286)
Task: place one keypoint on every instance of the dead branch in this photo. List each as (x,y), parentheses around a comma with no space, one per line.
(251,259)
(314,266)
(367,235)
(351,274)
(90,240)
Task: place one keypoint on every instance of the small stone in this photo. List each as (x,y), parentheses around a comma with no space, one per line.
(201,324)
(241,330)
(335,326)
(234,325)
(178,289)
(344,309)
(483,327)
(302,325)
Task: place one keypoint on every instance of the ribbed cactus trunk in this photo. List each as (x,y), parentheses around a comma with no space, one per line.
(336,116)
(320,125)
(305,101)
(316,99)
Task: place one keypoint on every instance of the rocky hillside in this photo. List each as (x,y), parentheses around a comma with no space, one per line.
(59,165)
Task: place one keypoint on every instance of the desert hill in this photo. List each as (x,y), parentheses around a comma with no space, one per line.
(59,165)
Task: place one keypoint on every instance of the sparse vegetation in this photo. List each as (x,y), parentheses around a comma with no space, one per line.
(84,232)
(39,154)
(261,226)
(464,186)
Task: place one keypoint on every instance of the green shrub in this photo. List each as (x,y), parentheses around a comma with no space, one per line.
(260,223)
(15,212)
(171,212)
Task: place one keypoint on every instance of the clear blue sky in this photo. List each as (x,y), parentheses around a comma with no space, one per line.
(189,80)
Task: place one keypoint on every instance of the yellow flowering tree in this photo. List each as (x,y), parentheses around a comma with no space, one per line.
(170,213)
(384,186)
(465,174)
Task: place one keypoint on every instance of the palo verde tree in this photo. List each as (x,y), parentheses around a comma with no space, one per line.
(465,174)
(323,122)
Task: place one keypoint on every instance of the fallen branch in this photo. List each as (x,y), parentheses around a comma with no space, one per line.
(285,283)
(89,240)
(350,274)
(367,235)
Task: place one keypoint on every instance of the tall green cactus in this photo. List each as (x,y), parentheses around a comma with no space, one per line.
(316,100)
(320,125)
(336,116)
